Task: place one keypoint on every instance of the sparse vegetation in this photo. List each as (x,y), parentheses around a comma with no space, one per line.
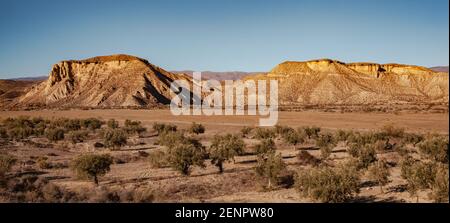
(134,127)
(158,159)
(379,172)
(270,167)
(78,136)
(225,148)
(245,131)
(435,148)
(326,184)
(6,162)
(265,146)
(311,131)
(54,134)
(114,138)
(264,133)
(197,128)
(164,128)
(113,124)
(92,166)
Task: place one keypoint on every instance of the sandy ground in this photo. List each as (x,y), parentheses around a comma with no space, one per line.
(238,183)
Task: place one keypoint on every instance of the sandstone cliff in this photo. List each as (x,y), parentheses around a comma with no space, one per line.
(105,81)
(328,81)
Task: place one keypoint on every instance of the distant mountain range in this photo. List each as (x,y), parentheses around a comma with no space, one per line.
(440,69)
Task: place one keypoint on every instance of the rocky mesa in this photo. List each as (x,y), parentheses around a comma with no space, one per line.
(328,81)
(104,81)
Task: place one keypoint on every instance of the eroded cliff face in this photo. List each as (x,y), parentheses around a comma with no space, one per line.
(109,81)
(328,81)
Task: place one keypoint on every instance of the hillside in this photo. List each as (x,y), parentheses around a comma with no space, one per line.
(328,81)
(105,81)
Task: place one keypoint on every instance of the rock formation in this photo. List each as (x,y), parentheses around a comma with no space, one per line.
(328,81)
(105,81)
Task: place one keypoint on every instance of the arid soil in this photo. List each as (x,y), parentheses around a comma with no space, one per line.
(239,182)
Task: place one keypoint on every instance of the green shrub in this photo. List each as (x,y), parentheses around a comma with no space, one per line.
(293,137)
(325,184)
(365,155)
(413,138)
(197,128)
(171,139)
(245,131)
(270,167)
(440,185)
(183,156)
(158,159)
(92,166)
(265,146)
(115,138)
(18,133)
(435,148)
(112,124)
(264,133)
(54,135)
(164,128)
(91,123)
(379,172)
(419,175)
(225,148)
(311,131)
(78,136)
(134,127)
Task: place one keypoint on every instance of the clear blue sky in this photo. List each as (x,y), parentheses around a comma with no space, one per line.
(221,35)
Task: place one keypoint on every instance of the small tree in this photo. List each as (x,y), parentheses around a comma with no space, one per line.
(197,128)
(113,124)
(270,167)
(91,123)
(379,172)
(326,143)
(161,128)
(114,138)
(264,133)
(78,136)
(419,176)
(224,148)
(92,166)
(183,156)
(134,127)
(266,146)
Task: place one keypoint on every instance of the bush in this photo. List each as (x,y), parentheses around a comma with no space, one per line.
(266,146)
(263,133)
(54,135)
(440,185)
(245,131)
(413,138)
(197,128)
(158,159)
(91,123)
(392,131)
(183,156)
(311,132)
(224,148)
(66,124)
(18,133)
(365,155)
(78,136)
(342,135)
(92,166)
(435,148)
(270,167)
(114,138)
(280,130)
(172,139)
(419,175)
(134,127)
(306,158)
(379,172)
(6,163)
(164,128)
(112,124)
(329,185)
(293,137)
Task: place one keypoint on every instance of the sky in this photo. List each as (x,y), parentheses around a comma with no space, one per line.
(221,35)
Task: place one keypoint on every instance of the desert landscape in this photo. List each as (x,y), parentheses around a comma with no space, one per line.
(347,132)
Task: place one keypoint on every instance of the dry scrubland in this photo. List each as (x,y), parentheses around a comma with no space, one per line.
(100,156)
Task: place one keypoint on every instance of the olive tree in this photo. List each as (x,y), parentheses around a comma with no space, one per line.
(225,148)
(92,166)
